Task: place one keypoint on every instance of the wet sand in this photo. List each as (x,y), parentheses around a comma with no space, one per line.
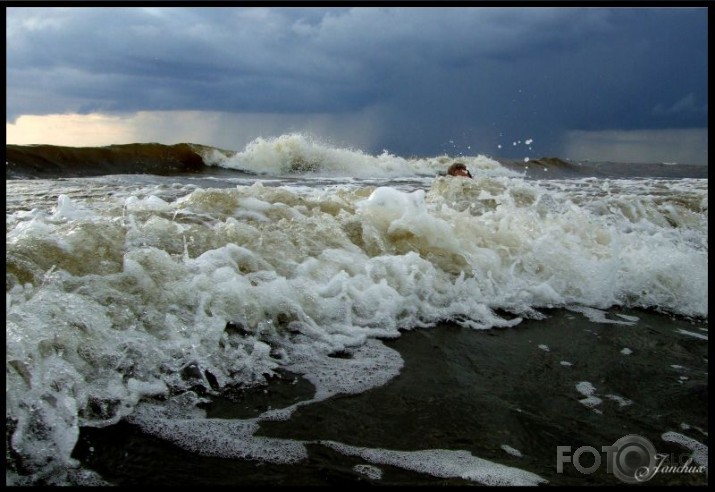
(510,396)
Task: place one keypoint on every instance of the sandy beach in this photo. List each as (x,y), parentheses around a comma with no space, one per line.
(509,396)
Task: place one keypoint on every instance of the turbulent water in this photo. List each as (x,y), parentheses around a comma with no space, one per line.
(136,297)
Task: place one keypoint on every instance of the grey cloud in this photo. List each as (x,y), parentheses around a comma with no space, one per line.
(240,61)
(430,74)
(358,47)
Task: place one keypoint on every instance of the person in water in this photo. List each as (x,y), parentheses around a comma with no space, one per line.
(459,169)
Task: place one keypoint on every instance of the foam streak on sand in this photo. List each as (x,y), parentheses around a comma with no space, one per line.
(444,463)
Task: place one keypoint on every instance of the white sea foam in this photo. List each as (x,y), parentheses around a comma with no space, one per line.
(693,334)
(111,296)
(225,439)
(444,463)
(589,391)
(301,154)
(68,209)
(369,471)
(511,451)
(599,316)
(700,450)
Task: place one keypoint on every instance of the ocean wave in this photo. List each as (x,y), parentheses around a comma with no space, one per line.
(132,290)
(297,154)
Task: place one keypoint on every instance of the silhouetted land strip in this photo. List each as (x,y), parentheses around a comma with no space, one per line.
(51,161)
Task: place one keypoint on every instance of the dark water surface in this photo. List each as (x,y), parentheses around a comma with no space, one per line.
(463,389)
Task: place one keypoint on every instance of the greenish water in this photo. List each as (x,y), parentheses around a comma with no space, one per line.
(488,392)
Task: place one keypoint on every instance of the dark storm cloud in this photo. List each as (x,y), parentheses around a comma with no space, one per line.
(155,59)
(431,74)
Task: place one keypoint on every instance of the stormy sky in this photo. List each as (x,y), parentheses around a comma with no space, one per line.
(622,84)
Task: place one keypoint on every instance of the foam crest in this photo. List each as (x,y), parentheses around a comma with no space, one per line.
(300,154)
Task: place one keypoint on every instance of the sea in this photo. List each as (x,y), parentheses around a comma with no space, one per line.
(302,313)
